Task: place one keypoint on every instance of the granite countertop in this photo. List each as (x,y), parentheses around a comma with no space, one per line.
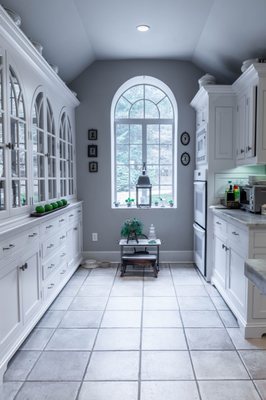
(244,217)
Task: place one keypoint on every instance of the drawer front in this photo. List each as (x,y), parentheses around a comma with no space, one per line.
(50,246)
(74,214)
(220,226)
(238,237)
(50,266)
(49,227)
(54,262)
(10,247)
(50,284)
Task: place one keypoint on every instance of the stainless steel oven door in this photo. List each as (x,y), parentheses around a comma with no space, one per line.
(199,247)
(200,199)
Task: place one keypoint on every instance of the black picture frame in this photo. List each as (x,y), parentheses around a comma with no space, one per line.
(93,166)
(185,159)
(92,150)
(185,138)
(92,134)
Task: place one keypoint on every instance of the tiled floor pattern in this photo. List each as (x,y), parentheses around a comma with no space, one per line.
(137,338)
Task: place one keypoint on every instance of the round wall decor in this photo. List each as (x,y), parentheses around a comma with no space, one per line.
(185,138)
(185,158)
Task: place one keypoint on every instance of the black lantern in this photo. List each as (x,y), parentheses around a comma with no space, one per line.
(143,189)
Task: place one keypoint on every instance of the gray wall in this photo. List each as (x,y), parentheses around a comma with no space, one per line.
(96,87)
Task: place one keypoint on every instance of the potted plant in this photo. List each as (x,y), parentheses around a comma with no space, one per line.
(129,201)
(131,229)
(116,203)
(171,203)
(156,203)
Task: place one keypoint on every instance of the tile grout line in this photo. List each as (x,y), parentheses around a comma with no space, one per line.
(184,332)
(140,341)
(95,339)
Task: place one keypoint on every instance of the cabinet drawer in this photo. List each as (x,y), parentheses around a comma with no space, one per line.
(50,284)
(220,226)
(50,246)
(74,214)
(238,237)
(53,263)
(49,227)
(10,247)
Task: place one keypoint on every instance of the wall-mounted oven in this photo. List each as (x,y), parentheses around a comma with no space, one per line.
(200,218)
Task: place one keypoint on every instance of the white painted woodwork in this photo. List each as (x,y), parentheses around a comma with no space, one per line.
(232,244)
(215,110)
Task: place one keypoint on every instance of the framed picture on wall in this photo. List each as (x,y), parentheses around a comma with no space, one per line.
(93,166)
(92,134)
(92,150)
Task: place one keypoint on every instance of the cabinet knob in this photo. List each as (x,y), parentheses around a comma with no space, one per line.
(61,220)
(242,151)
(23,267)
(218,223)
(62,237)
(71,215)
(235,233)
(49,226)
(51,266)
(249,148)
(50,246)
(75,229)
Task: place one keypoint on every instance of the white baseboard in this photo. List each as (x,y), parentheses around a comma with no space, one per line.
(165,256)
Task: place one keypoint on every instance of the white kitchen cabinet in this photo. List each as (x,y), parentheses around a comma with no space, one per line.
(233,243)
(37,127)
(215,124)
(30,284)
(250,89)
(37,258)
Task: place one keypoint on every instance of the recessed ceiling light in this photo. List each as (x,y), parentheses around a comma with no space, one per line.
(143,28)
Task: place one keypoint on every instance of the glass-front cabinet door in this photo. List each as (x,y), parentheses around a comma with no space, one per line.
(66,157)
(18,143)
(2,141)
(44,150)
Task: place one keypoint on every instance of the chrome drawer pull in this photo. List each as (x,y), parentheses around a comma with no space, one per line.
(10,246)
(71,215)
(51,266)
(32,234)
(235,233)
(51,286)
(49,226)
(50,246)
(23,267)
(61,220)
(62,237)
(218,223)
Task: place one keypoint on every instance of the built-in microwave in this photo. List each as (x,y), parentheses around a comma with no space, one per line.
(252,197)
(201,145)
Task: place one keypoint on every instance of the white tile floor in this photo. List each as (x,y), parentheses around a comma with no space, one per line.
(137,338)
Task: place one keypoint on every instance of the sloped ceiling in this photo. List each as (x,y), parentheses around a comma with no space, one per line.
(217,35)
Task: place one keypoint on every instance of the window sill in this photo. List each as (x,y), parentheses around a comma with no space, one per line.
(144,208)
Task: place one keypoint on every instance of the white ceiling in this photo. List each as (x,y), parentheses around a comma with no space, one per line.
(217,35)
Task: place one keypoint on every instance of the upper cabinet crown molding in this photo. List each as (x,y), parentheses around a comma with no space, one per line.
(14,36)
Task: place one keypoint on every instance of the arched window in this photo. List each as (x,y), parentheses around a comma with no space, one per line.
(143,117)
(66,157)
(18,143)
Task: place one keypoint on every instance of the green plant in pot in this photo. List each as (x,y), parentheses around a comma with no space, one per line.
(171,203)
(131,229)
(129,201)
